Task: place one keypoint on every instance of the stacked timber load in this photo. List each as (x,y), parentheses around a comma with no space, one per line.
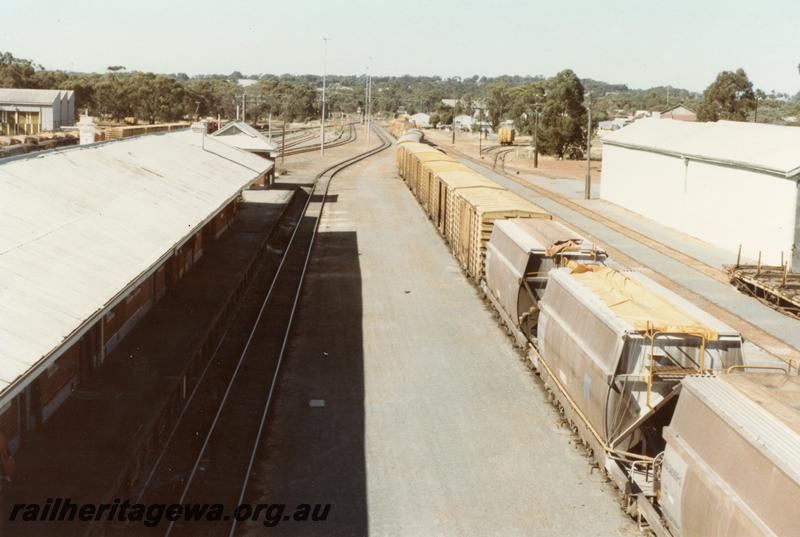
(420,179)
(399,126)
(118,133)
(476,209)
(430,171)
(404,154)
(447,184)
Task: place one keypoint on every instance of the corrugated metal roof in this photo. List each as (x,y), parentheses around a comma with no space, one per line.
(29,96)
(240,134)
(763,413)
(79,225)
(768,148)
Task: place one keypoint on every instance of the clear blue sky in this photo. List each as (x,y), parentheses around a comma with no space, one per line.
(641,43)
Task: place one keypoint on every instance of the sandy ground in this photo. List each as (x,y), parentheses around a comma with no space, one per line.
(402,403)
(521,159)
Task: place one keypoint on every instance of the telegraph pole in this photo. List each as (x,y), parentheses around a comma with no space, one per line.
(369,100)
(454,125)
(588,188)
(536,139)
(324,76)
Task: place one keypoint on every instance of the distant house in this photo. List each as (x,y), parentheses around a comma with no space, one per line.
(679,112)
(464,122)
(422,120)
(450,103)
(30,111)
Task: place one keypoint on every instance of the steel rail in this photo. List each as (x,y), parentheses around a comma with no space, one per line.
(385,144)
(332,170)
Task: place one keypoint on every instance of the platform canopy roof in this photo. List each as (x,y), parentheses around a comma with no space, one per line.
(39,97)
(81,226)
(240,134)
(756,146)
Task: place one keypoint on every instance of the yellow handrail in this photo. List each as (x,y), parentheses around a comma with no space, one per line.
(651,358)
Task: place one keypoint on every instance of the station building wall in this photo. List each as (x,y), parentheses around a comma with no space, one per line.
(722,205)
(45,394)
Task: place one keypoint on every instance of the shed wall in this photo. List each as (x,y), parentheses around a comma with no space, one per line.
(722,205)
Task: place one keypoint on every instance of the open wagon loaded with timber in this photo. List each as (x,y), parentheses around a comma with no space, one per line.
(446,185)
(428,191)
(417,178)
(613,348)
(475,211)
(404,152)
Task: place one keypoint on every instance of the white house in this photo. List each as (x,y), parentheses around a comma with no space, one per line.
(727,183)
(422,120)
(464,122)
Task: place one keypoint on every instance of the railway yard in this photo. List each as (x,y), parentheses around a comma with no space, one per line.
(310,269)
(416,339)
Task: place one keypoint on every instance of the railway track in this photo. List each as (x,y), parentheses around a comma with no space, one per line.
(209,456)
(340,140)
(750,331)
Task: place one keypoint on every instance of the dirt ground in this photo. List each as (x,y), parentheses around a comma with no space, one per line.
(521,159)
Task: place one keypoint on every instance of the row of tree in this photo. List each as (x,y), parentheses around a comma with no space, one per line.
(556,105)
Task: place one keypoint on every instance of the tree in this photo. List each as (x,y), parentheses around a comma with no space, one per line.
(526,100)
(16,72)
(730,96)
(563,116)
(499,101)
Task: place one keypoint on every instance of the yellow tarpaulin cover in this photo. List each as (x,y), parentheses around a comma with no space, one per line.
(639,306)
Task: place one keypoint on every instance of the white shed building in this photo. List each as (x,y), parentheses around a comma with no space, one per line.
(30,111)
(727,183)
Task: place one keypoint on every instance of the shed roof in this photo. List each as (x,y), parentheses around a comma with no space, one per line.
(756,146)
(29,96)
(241,135)
(79,226)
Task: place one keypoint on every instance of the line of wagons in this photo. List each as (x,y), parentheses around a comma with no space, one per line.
(699,443)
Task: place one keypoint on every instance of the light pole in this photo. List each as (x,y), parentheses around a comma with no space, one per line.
(369,100)
(536,136)
(588,188)
(324,76)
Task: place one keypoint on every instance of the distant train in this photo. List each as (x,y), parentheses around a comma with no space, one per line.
(656,388)
(506,135)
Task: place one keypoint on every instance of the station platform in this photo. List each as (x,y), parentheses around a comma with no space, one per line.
(91,447)
(402,402)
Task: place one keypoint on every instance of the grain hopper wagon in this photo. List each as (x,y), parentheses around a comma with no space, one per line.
(618,344)
(519,257)
(732,461)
